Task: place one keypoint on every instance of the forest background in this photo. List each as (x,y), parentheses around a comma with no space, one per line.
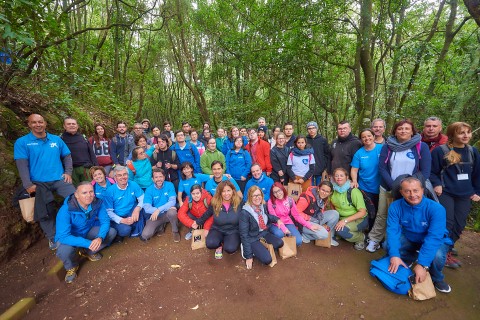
(229,62)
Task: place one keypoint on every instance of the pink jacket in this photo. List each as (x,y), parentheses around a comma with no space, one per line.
(281,209)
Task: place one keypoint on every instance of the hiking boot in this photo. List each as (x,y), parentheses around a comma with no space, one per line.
(305,239)
(176,237)
(188,236)
(71,274)
(219,253)
(372,246)
(360,245)
(334,243)
(52,245)
(451,262)
(442,286)
(142,239)
(92,257)
(118,239)
(454,252)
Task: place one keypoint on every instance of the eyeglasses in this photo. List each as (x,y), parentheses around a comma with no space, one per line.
(256,195)
(278,191)
(311,128)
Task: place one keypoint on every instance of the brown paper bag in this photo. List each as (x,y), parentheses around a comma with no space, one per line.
(198,239)
(327,242)
(289,248)
(424,290)
(271,251)
(27,207)
(294,190)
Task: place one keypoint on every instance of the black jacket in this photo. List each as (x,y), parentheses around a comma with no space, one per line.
(278,158)
(321,151)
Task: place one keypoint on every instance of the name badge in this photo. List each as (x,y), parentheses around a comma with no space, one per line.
(462,176)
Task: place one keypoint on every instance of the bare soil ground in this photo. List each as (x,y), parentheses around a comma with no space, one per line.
(165,280)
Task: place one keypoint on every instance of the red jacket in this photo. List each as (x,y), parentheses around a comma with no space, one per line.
(262,155)
(197,209)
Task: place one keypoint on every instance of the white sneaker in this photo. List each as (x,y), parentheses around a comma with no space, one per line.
(372,246)
(334,243)
(305,239)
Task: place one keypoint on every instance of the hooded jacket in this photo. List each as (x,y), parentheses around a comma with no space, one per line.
(321,151)
(342,152)
(73,222)
(196,209)
(265,183)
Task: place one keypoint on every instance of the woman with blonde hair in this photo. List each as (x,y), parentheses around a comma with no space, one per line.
(225,208)
(255,222)
(456,179)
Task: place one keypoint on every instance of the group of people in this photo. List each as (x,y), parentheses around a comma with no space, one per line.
(236,188)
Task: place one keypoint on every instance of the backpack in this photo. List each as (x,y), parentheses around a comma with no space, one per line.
(395,282)
(370,206)
(445,149)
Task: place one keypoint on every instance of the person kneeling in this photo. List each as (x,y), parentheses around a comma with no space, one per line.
(82,222)
(254,224)
(417,232)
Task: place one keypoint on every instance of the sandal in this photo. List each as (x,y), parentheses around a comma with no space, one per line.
(219,253)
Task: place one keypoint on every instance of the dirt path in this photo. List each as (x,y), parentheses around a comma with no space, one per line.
(137,281)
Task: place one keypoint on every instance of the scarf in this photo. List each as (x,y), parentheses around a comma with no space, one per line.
(396,146)
(341,189)
(304,152)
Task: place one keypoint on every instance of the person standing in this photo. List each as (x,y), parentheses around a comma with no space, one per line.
(260,151)
(321,151)
(44,163)
(432,133)
(289,136)
(83,157)
(378,127)
(101,145)
(121,145)
(344,147)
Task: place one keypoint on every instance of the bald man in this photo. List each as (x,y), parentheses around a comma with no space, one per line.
(45,166)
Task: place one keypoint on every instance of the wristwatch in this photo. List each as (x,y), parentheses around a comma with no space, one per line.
(425,267)
(346,221)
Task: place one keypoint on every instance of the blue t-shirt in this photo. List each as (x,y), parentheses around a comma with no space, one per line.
(158,197)
(367,164)
(122,201)
(186,185)
(44,156)
(211,185)
(100,191)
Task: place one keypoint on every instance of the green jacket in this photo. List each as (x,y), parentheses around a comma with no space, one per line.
(208,157)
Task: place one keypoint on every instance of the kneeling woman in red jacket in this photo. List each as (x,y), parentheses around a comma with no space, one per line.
(254,224)
(225,209)
(193,208)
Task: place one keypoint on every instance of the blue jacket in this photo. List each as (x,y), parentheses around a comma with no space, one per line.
(73,223)
(424,223)
(423,164)
(228,144)
(143,173)
(238,164)
(265,183)
(189,153)
(249,229)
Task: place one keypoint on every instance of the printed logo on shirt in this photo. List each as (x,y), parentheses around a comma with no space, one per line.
(133,193)
(305,161)
(424,224)
(53,145)
(410,155)
(32,144)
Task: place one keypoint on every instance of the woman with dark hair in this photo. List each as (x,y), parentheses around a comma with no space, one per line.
(101,147)
(139,168)
(352,221)
(301,163)
(100,181)
(403,154)
(225,209)
(156,131)
(229,142)
(187,179)
(456,180)
(364,171)
(166,159)
(239,162)
(278,158)
(193,208)
(284,207)
(254,225)
(141,141)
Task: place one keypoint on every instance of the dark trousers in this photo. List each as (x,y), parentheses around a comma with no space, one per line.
(230,242)
(457,213)
(260,252)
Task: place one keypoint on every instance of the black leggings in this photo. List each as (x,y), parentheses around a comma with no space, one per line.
(457,213)
(215,239)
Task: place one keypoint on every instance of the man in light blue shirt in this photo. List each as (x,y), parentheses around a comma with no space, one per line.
(159,205)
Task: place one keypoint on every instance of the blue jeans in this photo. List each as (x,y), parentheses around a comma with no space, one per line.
(260,252)
(132,230)
(409,254)
(68,254)
(330,218)
(293,231)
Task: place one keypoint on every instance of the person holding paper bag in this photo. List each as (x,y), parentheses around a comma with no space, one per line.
(254,225)
(193,208)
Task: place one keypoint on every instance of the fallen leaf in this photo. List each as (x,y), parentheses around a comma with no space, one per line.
(175,266)
(195,308)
